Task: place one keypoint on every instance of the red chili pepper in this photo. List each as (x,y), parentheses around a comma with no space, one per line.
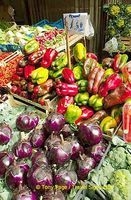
(35,57)
(87,112)
(15,77)
(112,82)
(27,70)
(65,89)
(68,75)
(92,55)
(63,103)
(48,57)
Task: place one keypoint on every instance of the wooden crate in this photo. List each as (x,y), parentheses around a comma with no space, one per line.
(127,42)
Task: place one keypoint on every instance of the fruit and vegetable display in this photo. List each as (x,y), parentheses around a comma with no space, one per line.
(56,154)
(16,37)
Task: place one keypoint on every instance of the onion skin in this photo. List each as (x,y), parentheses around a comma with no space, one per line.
(54,122)
(90,134)
(5,133)
(5,161)
(39,176)
(66,178)
(27,121)
(25,194)
(23,149)
(84,165)
(14,177)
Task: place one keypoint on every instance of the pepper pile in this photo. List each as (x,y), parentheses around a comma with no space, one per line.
(86,89)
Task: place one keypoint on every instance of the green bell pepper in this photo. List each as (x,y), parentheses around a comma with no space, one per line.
(82,98)
(96,102)
(31,46)
(82,85)
(72,113)
(60,62)
(55,74)
(78,72)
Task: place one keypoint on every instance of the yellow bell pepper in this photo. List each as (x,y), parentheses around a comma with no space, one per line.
(107,124)
(39,75)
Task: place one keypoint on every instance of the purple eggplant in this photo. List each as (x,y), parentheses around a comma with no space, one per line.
(61,153)
(90,134)
(27,121)
(54,122)
(37,138)
(66,130)
(39,158)
(5,133)
(52,140)
(25,194)
(23,149)
(97,151)
(6,159)
(65,178)
(39,176)
(53,195)
(84,165)
(23,164)
(14,176)
(76,148)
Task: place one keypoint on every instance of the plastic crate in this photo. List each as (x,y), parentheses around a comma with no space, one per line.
(58,24)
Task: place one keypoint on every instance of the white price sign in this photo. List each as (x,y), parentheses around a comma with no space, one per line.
(75,22)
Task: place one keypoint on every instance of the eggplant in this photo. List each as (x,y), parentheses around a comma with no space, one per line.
(38,138)
(65,178)
(90,134)
(84,165)
(25,193)
(54,122)
(5,133)
(23,149)
(14,177)
(6,159)
(27,121)
(39,176)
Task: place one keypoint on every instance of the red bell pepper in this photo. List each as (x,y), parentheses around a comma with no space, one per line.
(87,112)
(65,89)
(113,81)
(119,61)
(35,57)
(68,75)
(27,70)
(48,57)
(118,96)
(63,103)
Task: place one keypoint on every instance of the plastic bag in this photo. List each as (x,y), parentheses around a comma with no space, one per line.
(89,30)
(111,45)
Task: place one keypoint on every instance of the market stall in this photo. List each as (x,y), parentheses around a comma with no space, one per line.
(65,128)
